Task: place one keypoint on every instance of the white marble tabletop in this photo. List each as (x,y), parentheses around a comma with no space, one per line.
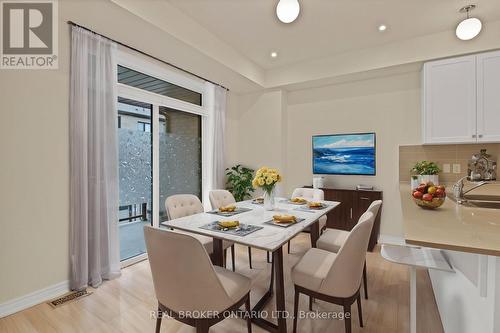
(269,238)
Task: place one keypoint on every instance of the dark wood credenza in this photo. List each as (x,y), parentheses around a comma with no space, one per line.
(353,203)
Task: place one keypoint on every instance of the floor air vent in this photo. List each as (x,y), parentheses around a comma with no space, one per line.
(70,297)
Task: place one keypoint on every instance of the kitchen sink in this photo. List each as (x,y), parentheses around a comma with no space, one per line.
(468,202)
(480,204)
(481,195)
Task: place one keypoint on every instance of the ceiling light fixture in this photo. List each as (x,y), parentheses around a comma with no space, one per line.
(287,10)
(274,54)
(470,27)
(382,27)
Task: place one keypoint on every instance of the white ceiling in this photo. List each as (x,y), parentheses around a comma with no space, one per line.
(325,27)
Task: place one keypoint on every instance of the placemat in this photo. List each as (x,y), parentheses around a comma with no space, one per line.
(242,230)
(311,210)
(287,201)
(237,211)
(284,225)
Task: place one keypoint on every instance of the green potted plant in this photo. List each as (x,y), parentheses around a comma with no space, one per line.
(426,171)
(239,182)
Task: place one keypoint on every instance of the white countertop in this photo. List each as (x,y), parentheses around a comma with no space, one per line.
(451,226)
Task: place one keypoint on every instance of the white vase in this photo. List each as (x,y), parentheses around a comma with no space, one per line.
(414,183)
(269,200)
(429,178)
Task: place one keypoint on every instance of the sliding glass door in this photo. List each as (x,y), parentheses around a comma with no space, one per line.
(135,174)
(179,155)
(161,146)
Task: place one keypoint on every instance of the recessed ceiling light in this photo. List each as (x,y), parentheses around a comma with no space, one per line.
(274,54)
(382,27)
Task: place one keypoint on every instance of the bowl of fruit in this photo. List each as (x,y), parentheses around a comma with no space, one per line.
(429,196)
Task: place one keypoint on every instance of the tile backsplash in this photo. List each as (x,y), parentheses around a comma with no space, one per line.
(442,154)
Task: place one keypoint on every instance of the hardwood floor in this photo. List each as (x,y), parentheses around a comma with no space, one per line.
(125,304)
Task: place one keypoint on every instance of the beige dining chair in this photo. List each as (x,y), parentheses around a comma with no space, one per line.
(222,198)
(310,194)
(333,239)
(188,287)
(335,277)
(181,205)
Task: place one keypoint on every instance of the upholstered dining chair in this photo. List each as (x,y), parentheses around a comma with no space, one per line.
(335,277)
(310,194)
(188,287)
(333,239)
(221,198)
(181,205)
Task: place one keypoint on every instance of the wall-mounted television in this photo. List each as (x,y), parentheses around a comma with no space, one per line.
(344,154)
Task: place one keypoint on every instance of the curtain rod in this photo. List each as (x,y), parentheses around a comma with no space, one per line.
(146,54)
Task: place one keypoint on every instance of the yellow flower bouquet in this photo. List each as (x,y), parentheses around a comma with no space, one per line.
(266,178)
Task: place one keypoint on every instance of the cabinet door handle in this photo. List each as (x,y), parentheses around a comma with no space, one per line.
(364,198)
(474,135)
(351,213)
(480,136)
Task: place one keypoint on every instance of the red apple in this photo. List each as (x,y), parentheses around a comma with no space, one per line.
(417,195)
(440,193)
(427,197)
(421,188)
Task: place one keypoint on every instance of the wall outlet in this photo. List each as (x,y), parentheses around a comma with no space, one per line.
(456,168)
(446,168)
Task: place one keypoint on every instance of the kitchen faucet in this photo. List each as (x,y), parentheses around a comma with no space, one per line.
(458,189)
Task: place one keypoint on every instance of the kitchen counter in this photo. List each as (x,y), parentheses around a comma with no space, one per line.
(451,226)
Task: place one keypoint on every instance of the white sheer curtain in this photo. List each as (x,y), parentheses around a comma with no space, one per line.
(216,98)
(94,248)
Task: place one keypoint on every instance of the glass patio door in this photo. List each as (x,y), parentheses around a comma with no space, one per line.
(179,150)
(135,175)
(161,113)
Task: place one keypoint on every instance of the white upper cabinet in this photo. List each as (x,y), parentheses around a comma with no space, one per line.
(488,97)
(461,99)
(449,101)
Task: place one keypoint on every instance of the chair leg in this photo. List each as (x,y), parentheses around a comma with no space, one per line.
(289,246)
(248,314)
(159,316)
(365,281)
(295,310)
(232,258)
(250,257)
(360,311)
(202,326)
(347,318)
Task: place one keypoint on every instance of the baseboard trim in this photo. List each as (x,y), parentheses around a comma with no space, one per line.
(33,298)
(389,239)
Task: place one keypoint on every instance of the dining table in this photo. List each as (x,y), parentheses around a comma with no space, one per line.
(265,235)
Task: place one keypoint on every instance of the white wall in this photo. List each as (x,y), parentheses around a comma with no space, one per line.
(256,130)
(389,106)
(34,176)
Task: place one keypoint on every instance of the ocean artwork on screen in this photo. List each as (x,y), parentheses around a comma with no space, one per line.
(344,154)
